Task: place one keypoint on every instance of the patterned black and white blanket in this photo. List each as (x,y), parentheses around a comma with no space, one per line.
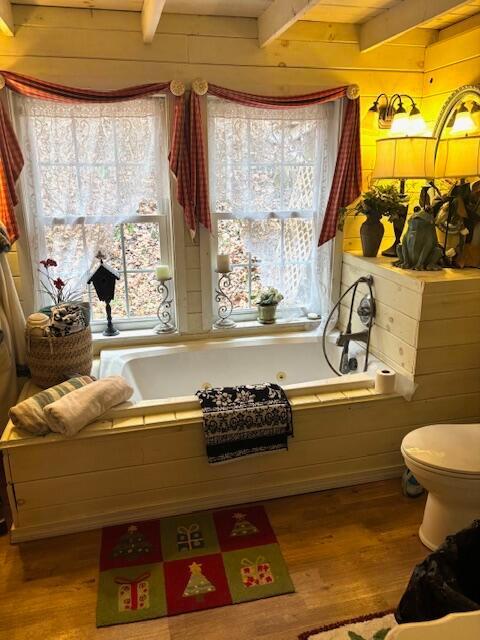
(244,420)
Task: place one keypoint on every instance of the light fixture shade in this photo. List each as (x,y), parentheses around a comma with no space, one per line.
(370,119)
(463,121)
(399,124)
(458,157)
(399,158)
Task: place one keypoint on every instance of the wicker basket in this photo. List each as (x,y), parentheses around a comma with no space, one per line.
(53,360)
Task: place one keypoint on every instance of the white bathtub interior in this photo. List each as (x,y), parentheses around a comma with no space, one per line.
(174,370)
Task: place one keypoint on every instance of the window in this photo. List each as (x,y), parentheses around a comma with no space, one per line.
(271,172)
(96,178)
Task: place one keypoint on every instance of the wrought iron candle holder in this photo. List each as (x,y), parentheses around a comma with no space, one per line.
(164,311)
(225,304)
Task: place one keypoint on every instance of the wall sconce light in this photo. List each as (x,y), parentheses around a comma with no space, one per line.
(463,122)
(390,113)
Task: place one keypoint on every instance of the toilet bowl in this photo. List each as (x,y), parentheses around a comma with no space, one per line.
(445,459)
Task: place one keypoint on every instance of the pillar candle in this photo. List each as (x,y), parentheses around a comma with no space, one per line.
(162,272)
(223,263)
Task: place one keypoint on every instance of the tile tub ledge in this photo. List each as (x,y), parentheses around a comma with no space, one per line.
(183,411)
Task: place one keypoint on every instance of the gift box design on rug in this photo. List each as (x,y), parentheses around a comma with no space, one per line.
(189,538)
(131,544)
(198,584)
(257,573)
(133,593)
(242,526)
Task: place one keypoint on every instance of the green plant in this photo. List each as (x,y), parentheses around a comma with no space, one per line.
(269,296)
(381,200)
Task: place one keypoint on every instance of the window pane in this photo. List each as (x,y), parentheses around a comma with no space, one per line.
(238,290)
(270,171)
(231,240)
(264,239)
(265,188)
(54,140)
(300,141)
(59,191)
(102,163)
(298,239)
(142,245)
(298,193)
(265,141)
(142,294)
(95,139)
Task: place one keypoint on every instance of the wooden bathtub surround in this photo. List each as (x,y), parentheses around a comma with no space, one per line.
(157,466)
(349,551)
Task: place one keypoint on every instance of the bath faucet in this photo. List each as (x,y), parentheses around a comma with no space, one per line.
(348,364)
(359,336)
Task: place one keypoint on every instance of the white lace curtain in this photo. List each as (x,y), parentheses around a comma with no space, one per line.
(273,169)
(88,168)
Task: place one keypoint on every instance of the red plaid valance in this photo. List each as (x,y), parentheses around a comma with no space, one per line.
(187,153)
(346,184)
(11,160)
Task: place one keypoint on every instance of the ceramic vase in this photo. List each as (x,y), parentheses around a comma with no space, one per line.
(266,313)
(371,234)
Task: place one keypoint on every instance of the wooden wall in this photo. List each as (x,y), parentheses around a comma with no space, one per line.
(428,328)
(450,63)
(104,49)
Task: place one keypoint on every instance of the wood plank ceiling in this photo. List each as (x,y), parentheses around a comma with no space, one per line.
(275,16)
(349,11)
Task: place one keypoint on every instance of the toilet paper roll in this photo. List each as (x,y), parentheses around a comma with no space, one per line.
(385,381)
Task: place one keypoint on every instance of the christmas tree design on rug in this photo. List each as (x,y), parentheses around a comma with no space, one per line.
(242,526)
(132,544)
(152,569)
(198,584)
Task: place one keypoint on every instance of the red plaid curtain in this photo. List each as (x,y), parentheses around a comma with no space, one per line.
(346,184)
(11,160)
(347,179)
(11,164)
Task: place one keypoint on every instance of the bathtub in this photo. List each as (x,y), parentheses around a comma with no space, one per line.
(295,361)
(146,459)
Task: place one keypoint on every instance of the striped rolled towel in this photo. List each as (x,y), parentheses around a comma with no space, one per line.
(69,415)
(29,414)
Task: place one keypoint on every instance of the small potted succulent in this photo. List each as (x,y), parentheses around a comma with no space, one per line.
(378,201)
(267,302)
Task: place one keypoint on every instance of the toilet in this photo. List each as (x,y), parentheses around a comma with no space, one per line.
(445,459)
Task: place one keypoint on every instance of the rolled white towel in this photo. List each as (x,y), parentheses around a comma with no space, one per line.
(83,406)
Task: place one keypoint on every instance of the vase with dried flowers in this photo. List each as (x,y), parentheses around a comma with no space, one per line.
(58,290)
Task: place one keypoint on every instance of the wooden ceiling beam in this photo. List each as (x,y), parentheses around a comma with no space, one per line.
(151,14)
(279,16)
(401,18)
(6,18)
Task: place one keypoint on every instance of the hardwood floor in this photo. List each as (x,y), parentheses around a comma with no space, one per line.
(350,551)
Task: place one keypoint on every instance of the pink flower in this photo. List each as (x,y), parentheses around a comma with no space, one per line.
(59,283)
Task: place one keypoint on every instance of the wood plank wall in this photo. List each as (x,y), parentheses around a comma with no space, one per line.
(104,49)
(428,328)
(450,63)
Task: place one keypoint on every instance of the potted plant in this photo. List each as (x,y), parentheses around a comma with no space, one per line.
(379,201)
(60,291)
(267,302)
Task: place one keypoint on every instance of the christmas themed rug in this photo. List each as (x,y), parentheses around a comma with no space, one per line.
(187,563)
(371,627)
